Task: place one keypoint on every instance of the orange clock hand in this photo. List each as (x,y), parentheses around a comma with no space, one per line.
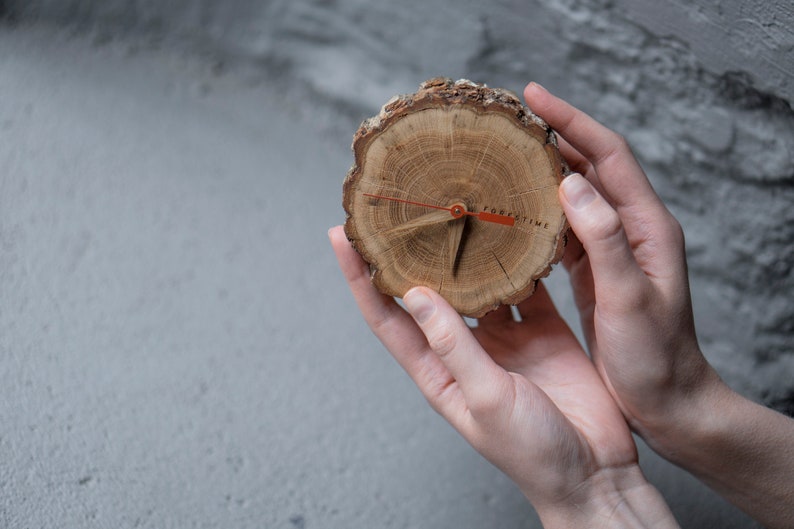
(456,210)
(507,220)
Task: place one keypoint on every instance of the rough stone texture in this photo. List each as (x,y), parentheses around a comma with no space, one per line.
(155,365)
(701,89)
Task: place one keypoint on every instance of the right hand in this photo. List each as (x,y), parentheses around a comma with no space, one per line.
(629,277)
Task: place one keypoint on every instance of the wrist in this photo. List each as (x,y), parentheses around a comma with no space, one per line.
(688,418)
(613,497)
(738,448)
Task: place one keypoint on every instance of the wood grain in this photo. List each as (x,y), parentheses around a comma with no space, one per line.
(456,143)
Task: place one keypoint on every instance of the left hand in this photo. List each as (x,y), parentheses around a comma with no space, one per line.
(523,394)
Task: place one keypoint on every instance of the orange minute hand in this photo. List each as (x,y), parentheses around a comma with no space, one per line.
(456,210)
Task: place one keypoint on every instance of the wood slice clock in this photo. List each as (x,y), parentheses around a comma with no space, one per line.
(454,187)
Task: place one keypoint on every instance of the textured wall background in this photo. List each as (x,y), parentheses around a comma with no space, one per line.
(147,372)
(701,89)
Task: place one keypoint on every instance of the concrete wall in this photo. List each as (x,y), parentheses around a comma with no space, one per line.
(702,89)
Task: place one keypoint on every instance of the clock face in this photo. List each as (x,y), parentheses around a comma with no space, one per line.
(456,193)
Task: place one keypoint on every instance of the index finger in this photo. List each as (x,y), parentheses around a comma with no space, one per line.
(619,173)
(389,322)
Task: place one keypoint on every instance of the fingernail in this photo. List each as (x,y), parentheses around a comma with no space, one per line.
(538,85)
(419,305)
(578,191)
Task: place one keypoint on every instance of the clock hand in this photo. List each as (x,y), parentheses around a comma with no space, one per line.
(454,237)
(427,219)
(455,233)
(506,220)
(456,210)
(404,201)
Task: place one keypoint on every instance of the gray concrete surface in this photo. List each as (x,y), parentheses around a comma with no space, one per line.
(701,88)
(177,348)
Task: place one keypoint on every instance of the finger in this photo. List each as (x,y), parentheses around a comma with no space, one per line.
(576,161)
(574,251)
(652,231)
(540,316)
(479,378)
(497,318)
(547,343)
(398,332)
(595,141)
(538,306)
(622,179)
(392,325)
(616,274)
(577,263)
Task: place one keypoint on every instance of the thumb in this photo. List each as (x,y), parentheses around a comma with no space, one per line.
(599,228)
(479,378)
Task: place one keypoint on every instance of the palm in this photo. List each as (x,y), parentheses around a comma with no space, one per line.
(543,350)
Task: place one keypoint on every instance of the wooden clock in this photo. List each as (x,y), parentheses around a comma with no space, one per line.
(454,187)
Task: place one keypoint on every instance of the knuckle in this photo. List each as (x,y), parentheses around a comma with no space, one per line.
(442,340)
(619,146)
(380,321)
(666,234)
(438,394)
(491,402)
(622,145)
(608,228)
(675,231)
(486,405)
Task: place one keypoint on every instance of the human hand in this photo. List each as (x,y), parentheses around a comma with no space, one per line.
(524,394)
(630,284)
(629,278)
